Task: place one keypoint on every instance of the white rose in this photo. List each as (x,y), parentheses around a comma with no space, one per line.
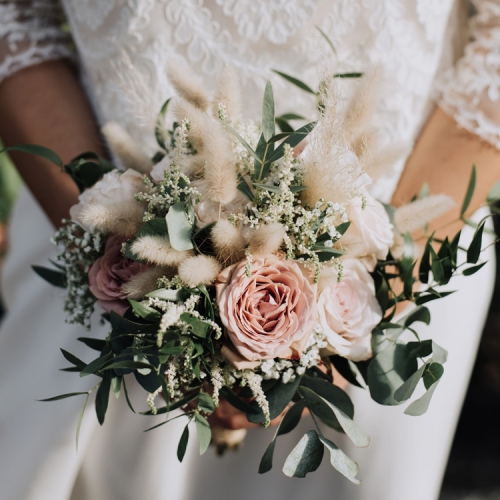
(370,235)
(114,190)
(348,310)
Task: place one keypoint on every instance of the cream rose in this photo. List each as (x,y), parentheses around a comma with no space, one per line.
(370,235)
(348,310)
(115,189)
(270,314)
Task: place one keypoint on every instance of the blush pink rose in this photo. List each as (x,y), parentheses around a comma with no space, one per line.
(110,272)
(270,314)
(348,310)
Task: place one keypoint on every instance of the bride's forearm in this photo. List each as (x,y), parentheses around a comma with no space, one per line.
(442,158)
(45,105)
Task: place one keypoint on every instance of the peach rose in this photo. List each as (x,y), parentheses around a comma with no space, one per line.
(110,272)
(270,314)
(348,310)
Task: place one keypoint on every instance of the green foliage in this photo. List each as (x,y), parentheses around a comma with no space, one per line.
(53,277)
(179,228)
(305,457)
(204,432)
(295,81)
(470,191)
(340,461)
(181,449)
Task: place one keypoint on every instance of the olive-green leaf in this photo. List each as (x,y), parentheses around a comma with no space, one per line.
(474,250)
(305,457)
(40,151)
(55,278)
(341,462)
(268,112)
(470,191)
(179,228)
(204,432)
(183,442)
(295,81)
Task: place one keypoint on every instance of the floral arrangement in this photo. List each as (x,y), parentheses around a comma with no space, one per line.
(236,264)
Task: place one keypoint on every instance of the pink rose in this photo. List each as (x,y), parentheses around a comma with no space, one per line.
(270,314)
(348,310)
(110,272)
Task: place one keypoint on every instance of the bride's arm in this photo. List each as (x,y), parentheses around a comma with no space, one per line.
(41,101)
(465,128)
(44,104)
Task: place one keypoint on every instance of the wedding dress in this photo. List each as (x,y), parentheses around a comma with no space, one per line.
(124,47)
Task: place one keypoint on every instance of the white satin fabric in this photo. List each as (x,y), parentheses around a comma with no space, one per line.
(121,45)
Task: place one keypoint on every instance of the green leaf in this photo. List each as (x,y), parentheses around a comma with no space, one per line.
(341,462)
(278,397)
(342,365)
(167,294)
(132,365)
(102,398)
(420,406)
(494,193)
(291,116)
(245,188)
(116,385)
(433,373)
(268,187)
(198,327)
(330,392)
(55,278)
(40,151)
(160,125)
(474,250)
(290,421)
(439,355)
(420,314)
(436,266)
(127,397)
(327,38)
(205,402)
(179,228)
(153,227)
(74,360)
(425,263)
(94,366)
(243,142)
(406,391)
(80,418)
(355,434)
(268,112)
(470,191)
(388,370)
(204,432)
(283,125)
(181,449)
(473,270)
(144,311)
(63,396)
(235,401)
(295,81)
(297,189)
(96,344)
(305,457)
(348,75)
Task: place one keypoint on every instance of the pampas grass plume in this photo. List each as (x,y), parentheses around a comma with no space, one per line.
(125,148)
(220,167)
(187,85)
(199,270)
(228,242)
(228,93)
(157,250)
(416,214)
(266,239)
(145,282)
(124,219)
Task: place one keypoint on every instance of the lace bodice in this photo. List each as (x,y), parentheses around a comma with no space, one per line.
(124,47)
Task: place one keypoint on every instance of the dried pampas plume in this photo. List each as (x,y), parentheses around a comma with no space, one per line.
(220,167)
(266,239)
(228,93)
(199,270)
(187,85)
(157,250)
(143,283)
(228,242)
(198,120)
(413,216)
(126,149)
(331,169)
(124,219)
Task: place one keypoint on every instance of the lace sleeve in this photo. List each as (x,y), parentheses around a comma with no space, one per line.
(471,90)
(30,33)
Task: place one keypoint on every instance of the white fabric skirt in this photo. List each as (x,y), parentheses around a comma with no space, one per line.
(38,459)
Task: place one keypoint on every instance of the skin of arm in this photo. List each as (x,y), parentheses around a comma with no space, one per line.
(45,105)
(443,158)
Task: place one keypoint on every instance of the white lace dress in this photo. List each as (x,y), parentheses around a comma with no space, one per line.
(417,43)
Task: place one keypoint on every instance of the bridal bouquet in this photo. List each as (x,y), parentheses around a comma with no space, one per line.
(236,264)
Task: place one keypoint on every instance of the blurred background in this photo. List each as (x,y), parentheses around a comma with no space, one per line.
(473,471)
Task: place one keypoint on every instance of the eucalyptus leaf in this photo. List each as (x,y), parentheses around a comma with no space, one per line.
(406,391)
(205,402)
(340,461)
(268,112)
(305,457)
(167,294)
(421,405)
(179,229)
(494,193)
